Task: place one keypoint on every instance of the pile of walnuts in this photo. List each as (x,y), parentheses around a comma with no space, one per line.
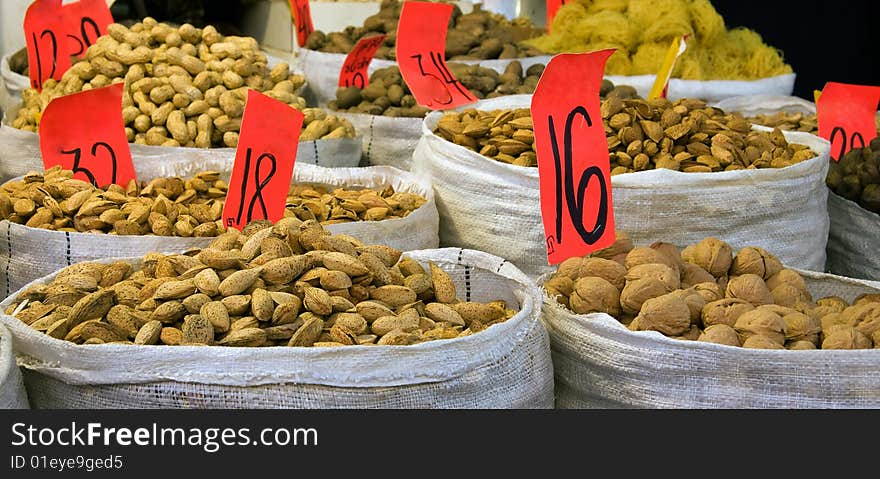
(706,293)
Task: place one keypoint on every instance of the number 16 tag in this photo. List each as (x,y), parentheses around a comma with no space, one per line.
(263,161)
(84,132)
(573,163)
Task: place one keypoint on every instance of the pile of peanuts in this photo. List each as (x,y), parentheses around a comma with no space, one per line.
(184,86)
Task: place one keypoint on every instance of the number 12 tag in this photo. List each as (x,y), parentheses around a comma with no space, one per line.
(263,161)
(84,132)
(573,164)
(54,32)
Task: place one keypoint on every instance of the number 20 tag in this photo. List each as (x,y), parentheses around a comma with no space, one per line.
(573,163)
(84,132)
(264,161)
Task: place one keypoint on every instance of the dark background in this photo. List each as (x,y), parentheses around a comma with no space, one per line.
(822,40)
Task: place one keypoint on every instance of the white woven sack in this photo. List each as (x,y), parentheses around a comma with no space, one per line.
(12,393)
(20,152)
(322,71)
(13,84)
(599,363)
(710,90)
(386,140)
(495,207)
(505,366)
(29,253)
(752,105)
(853,242)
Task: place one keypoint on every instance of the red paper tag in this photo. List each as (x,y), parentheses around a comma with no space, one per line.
(573,163)
(302,19)
(421,47)
(846,116)
(263,161)
(54,32)
(354,70)
(552,8)
(84,132)
(86,20)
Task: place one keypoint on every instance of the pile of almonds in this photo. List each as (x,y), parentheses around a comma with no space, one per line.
(706,293)
(794,121)
(165,206)
(789,121)
(184,86)
(175,206)
(505,135)
(288,284)
(642,135)
(687,135)
(316,202)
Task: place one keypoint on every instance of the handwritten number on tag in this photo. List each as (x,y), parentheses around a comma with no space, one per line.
(78,168)
(259,185)
(574,200)
(840,131)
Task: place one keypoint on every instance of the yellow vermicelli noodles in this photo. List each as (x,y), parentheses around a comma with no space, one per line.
(643,29)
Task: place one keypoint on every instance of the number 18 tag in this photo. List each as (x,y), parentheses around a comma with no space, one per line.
(573,164)
(263,161)
(84,132)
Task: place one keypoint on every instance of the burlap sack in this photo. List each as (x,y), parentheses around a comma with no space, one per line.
(599,363)
(505,366)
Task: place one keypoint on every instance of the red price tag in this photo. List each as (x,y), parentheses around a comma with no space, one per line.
(302,20)
(552,8)
(86,21)
(263,161)
(421,47)
(846,116)
(54,32)
(573,163)
(84,132)
(354,70)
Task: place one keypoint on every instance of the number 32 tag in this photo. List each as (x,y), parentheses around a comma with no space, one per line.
(84,132)
(573,163)
(264,161)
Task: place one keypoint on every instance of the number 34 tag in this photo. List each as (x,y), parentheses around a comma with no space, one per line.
(573,163)
(84,132)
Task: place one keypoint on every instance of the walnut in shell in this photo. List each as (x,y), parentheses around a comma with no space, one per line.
(667,314)
(761,322)
(749,287)
(720,334)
